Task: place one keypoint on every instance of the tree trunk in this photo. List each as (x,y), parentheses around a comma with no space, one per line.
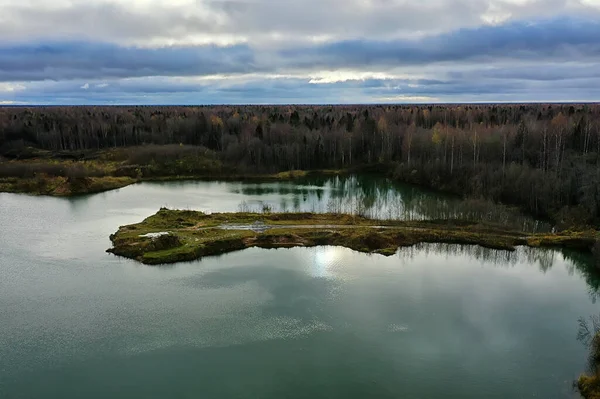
(504,156)
(452,157)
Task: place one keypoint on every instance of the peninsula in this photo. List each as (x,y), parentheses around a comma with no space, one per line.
(171,236)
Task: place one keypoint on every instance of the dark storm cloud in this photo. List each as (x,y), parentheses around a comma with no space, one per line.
(548,72)
(56,61)
(560,39)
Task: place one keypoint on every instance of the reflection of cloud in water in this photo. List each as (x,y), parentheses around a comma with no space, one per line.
(248,303)
(211,334)
(277,303)
(439,306)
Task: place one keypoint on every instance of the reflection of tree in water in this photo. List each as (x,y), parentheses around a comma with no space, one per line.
(584,263)
(380,198)
(495,257)
(588,334)
(296,202)
(283,205)
(544,258)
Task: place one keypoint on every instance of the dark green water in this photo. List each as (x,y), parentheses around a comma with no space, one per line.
(434,321)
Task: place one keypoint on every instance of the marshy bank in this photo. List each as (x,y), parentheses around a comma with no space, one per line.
(73,173)
(172,236)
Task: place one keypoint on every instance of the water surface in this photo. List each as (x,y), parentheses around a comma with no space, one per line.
(433,321)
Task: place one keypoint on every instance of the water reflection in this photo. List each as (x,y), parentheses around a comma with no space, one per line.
(586,266)
(379,198)
(544,258)
(370,196)
(290,291)
(304,322)
(325,258)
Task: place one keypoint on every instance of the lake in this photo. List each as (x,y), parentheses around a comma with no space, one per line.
(433,321)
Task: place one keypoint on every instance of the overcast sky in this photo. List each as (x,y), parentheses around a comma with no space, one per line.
(310,51)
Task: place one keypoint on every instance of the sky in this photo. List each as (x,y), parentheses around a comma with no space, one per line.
(308,52)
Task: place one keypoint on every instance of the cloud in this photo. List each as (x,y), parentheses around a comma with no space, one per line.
(406,99)
(111,21)
(556,40)
(71,60)
(10,87)
(559,39)
(313,51)
(549,72)
(263,22)
(257,90)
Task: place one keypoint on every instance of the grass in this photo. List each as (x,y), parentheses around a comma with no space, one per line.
(199,234)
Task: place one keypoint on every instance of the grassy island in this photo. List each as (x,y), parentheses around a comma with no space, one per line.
(171,236)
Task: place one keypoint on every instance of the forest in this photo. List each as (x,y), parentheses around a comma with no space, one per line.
(543,158)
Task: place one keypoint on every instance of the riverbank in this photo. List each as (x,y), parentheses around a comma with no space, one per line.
(38,172)
(172,236)
(60,186)
(68,174)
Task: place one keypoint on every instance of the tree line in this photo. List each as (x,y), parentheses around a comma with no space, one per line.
(542,157)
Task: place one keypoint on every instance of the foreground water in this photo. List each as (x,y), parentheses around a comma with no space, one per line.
(434,321)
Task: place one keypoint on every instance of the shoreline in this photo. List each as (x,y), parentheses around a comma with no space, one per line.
(172,236)
(61,186)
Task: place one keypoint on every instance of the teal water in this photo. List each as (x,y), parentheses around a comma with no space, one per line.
(433,321)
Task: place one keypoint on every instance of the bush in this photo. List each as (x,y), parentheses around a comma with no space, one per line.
(32,170)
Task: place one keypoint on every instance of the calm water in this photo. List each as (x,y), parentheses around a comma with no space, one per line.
(434,321)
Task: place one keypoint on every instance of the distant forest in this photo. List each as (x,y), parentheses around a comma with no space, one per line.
(542,157)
